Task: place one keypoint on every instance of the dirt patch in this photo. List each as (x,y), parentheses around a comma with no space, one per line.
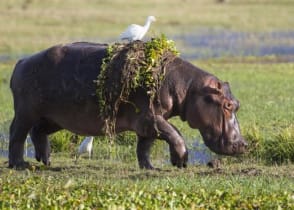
(251,171)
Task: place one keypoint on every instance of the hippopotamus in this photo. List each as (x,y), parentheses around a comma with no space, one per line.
(54,89)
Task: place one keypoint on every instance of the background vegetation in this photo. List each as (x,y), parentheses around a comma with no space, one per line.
(261,179)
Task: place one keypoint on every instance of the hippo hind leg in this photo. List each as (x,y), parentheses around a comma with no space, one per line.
(39,135)
(18,132)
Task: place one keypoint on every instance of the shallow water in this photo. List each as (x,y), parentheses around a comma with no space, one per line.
(29,150)
(205,44)
(199,153)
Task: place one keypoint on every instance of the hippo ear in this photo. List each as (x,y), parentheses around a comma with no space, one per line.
(226,88)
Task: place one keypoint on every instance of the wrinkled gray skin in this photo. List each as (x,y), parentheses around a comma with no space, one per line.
(54,90)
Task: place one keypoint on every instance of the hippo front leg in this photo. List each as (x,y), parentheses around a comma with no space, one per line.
(39,135)
(143,152)
(178,149)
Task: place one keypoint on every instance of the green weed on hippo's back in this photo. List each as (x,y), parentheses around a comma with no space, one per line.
(127,67)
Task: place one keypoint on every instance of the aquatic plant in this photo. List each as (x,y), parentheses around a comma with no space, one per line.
(128,67)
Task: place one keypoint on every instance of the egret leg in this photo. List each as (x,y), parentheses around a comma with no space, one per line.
(77,158)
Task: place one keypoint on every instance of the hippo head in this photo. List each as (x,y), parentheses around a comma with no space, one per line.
(213,111)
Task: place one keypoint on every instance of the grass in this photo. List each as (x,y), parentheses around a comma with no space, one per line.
(112,185)
(6,106)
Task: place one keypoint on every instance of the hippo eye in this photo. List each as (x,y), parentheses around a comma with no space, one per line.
(208,99)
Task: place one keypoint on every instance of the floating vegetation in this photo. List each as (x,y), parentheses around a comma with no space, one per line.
(128,67)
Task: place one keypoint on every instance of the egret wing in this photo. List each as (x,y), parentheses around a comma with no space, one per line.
(132,32)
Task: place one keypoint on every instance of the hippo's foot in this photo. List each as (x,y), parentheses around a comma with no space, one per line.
(46,160)
(145,164)
(176,160)
(178,163)
(20,165)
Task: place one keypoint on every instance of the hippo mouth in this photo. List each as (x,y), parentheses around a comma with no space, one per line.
(237,147)
(222,144)
(222,147)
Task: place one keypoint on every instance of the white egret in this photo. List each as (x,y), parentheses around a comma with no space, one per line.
(137,32)
(86,147)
